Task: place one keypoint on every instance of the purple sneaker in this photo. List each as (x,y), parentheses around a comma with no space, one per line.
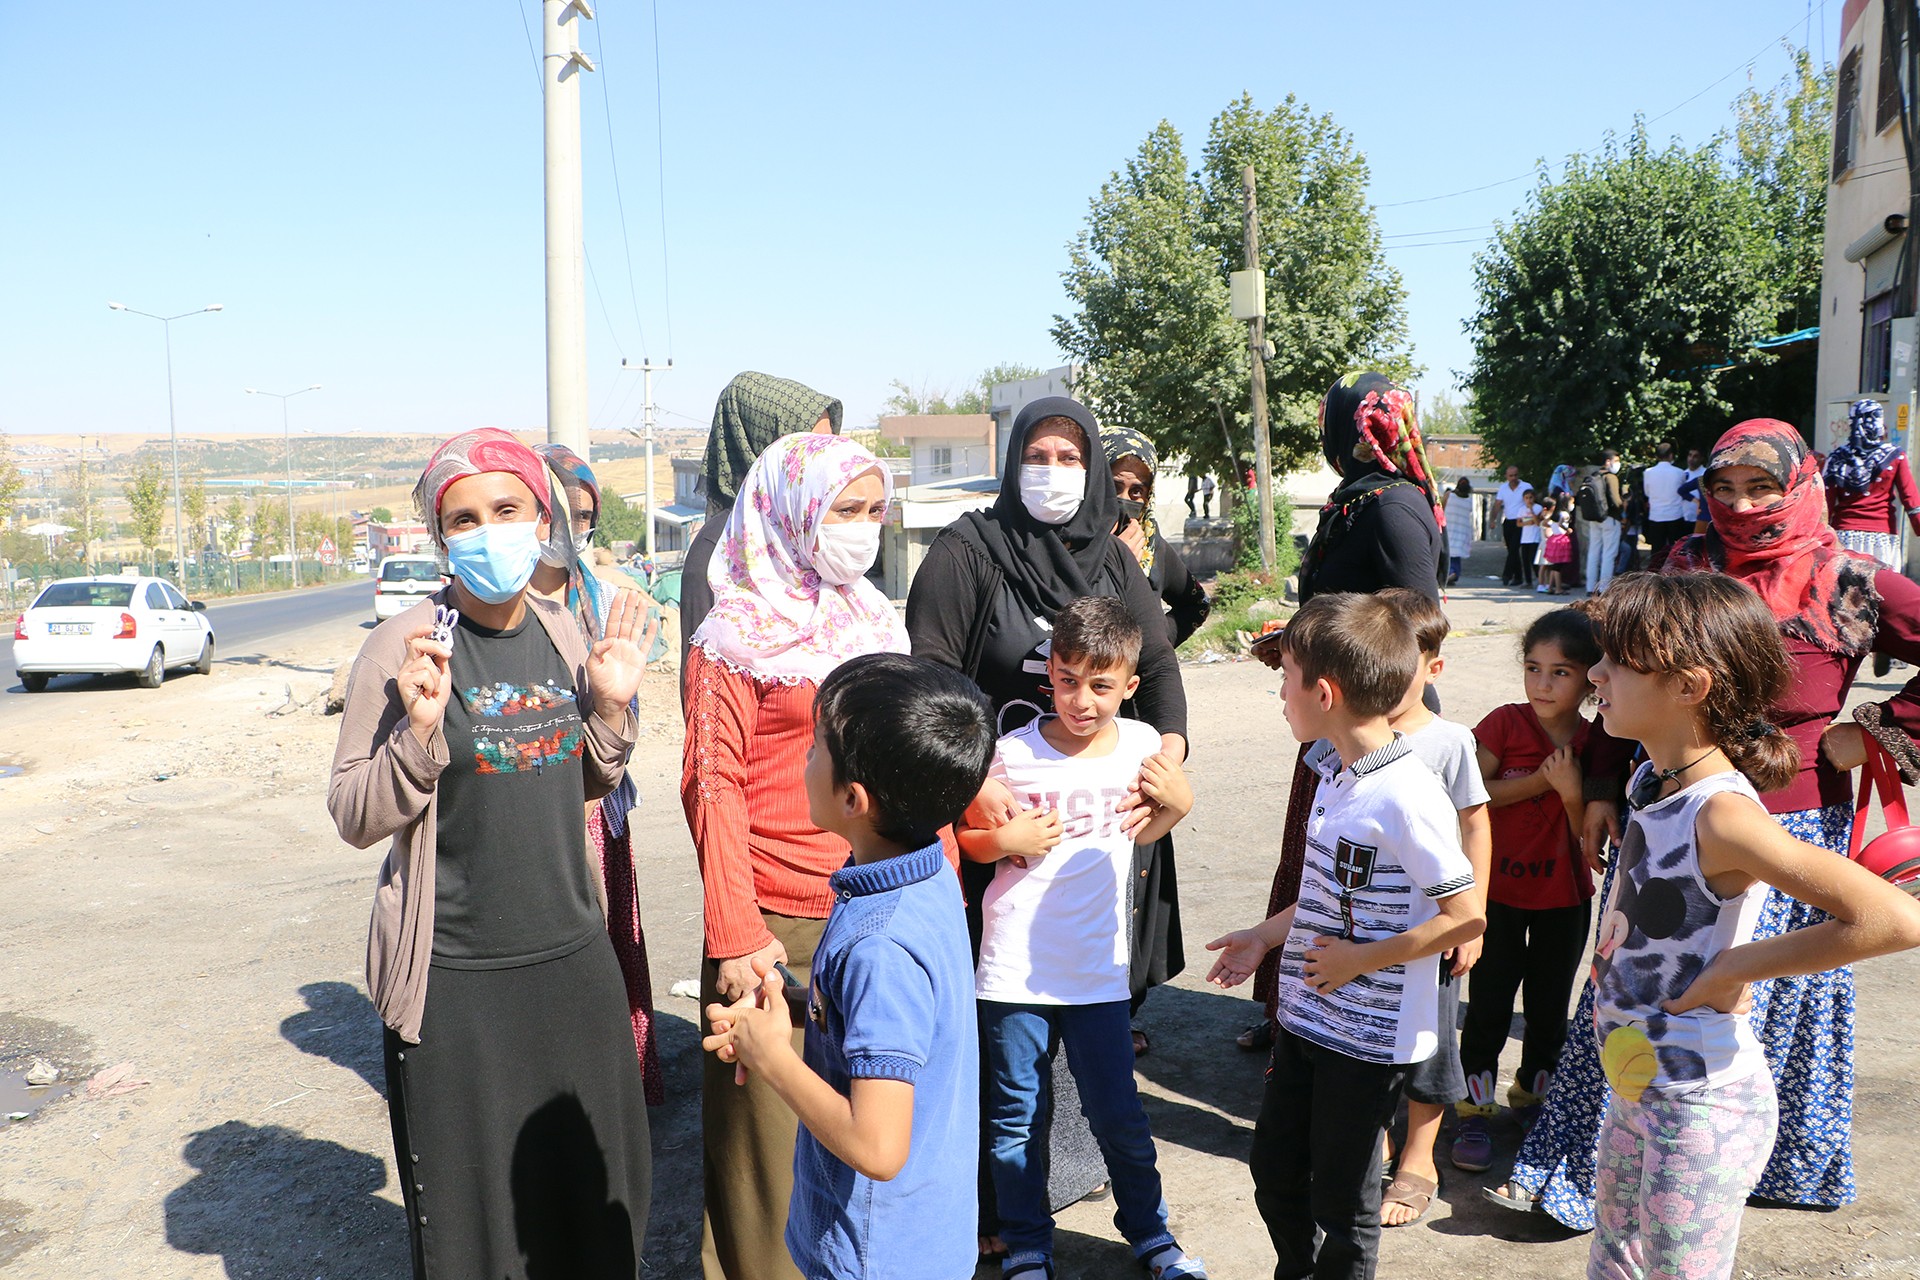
(1472,1145)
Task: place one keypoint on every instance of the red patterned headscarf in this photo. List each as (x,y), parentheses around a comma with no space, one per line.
(469,454)
(1368,426)
(1820,592)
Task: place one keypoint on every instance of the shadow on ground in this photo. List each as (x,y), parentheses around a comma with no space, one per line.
(271,1202)
(340,1025)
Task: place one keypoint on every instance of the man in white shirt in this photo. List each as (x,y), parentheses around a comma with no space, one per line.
(1690,504)
(1512,509)
(1666,516)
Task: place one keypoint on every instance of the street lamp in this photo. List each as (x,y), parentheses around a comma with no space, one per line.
(173,439)
(293,538)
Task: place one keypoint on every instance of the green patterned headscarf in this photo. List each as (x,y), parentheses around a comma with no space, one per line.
(753,411)
(1125,442)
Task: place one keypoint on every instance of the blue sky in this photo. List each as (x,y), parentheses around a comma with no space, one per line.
(853,193)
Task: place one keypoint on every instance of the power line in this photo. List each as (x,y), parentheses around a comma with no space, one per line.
(1430,244)
(620,200)
(1488,186)
(660,153)
(1437,231)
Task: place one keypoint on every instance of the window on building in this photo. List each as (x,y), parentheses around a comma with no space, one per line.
(941,460)
(1876,345)
(1846,106)
(1887,109)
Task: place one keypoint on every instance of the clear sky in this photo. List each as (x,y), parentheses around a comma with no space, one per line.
(853,192)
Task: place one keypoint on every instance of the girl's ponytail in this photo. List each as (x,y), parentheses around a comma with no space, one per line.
(1719,626)
(1761,750)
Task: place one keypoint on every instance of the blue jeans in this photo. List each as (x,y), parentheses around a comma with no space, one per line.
(1018,1042)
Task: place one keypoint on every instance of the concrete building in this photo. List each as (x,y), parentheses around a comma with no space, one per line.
(1008,398)
(396,538)
(945,446)
(1864,349)
(676,523)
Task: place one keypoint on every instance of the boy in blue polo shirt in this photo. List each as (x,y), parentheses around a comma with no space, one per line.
(888,1093)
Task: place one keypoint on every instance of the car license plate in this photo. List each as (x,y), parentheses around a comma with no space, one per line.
(69,628)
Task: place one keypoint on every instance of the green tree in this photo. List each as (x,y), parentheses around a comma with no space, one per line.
(380,515)
(975,398)
(1148,273)
(232,524)
(12,482)
(1443,415)
(1782,146)
(147,495)
(1609,309)
(267,524)
(620,521)
(193,501)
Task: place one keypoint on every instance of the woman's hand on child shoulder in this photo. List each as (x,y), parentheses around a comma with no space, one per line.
(1164,782)
(1240,954)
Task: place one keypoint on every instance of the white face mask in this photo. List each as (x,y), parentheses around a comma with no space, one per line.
(842,553)
(1052,495)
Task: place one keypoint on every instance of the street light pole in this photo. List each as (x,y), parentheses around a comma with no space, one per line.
(173,437)
(293,537)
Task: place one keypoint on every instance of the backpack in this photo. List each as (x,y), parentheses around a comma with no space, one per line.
(1591,501)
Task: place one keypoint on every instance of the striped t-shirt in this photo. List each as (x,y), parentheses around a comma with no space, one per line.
(1383,845)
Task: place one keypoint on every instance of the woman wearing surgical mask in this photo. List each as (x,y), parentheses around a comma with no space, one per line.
(471,745)
(790,603)
(565,577)
(1134,459)
(983,602)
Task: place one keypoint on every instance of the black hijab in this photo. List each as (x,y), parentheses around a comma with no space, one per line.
(1052,565)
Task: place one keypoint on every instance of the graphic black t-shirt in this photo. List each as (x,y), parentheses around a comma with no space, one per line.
(511,884)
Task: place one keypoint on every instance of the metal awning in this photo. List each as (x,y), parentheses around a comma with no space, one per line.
(680,514)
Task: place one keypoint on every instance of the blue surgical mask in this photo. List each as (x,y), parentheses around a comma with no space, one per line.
(495,561)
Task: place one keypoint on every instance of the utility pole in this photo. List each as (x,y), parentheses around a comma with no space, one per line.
(1257,351)
(566,280)
(646,369)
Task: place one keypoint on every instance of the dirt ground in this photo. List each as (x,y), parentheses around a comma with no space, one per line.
(176,898)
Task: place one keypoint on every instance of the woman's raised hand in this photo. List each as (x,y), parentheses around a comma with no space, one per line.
(424,683)
(615,666)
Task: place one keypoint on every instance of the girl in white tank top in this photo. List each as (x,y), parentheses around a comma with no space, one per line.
(1691,665)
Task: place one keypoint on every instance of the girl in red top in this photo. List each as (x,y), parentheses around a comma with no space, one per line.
(1539,893)
(1868,482)
(790,603)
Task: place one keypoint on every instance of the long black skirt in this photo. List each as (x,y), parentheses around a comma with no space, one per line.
(520,1123)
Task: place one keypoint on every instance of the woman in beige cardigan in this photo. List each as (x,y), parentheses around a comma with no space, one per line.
(471,743)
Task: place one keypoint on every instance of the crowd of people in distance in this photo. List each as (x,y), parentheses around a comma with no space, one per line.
(939,874)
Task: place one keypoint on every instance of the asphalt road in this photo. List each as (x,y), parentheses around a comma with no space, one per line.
(242,629)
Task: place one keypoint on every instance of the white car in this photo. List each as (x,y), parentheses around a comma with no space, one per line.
(403,581)
(110,624)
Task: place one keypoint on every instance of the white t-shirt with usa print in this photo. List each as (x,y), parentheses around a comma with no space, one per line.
(1383,846)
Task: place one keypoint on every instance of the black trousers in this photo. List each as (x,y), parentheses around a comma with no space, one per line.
(1661,535)
(1513,574)
(1316,1158)
(1534,954)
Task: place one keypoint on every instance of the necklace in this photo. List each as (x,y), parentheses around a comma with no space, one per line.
(1648,789)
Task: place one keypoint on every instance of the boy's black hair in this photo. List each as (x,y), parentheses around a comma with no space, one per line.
(1100,630)
(1361,643)
(917,735)
(1423,613)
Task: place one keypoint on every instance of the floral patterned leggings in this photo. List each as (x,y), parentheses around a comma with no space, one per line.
(1674,1175)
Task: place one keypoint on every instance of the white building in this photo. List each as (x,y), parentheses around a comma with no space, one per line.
(1007,399)
(1864,349)
(944,446)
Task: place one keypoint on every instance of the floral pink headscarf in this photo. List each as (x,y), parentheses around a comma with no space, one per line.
(773,618)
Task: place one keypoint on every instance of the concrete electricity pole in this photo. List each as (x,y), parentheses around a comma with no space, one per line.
(646,369)
(566,280)
(1257,350)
